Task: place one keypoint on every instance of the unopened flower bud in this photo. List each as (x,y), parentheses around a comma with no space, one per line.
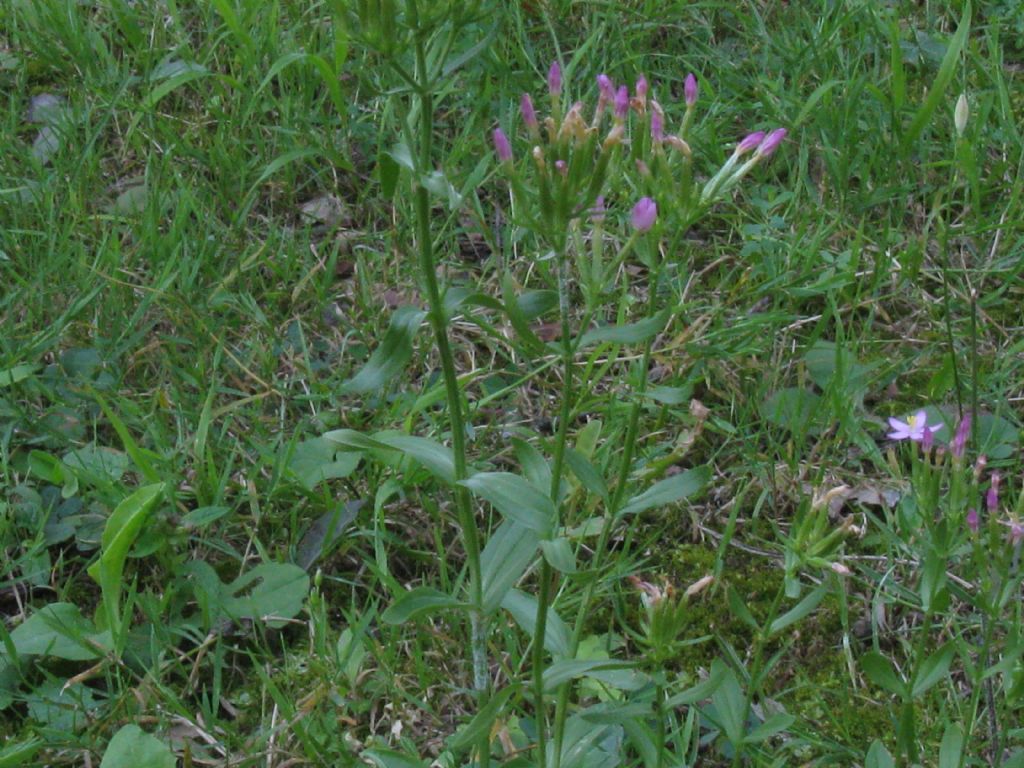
(641,90)
(657,123)
(841,569)
(562,167)
(597,212)
(606,88)
(690,90)
(538,158)
(555,78)
(501,146)
(992,496)
(679,145)
(979,466)
(771,143)
(621,103)
(973,522)
(528,112)
(749,142)
(614,136)
(643,215)
(699,586)
(643,169)
(960,114)
(959,444)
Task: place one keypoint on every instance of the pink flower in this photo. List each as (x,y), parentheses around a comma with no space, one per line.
(771,142)
(562,167)
(555,78)
(621,102)
(911,429)
(690,90)
(606,88)
(959,444)
(749,142)
(501,146)
(528,112)
(1016,530)
(644,214)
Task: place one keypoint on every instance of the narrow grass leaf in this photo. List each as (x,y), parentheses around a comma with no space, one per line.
(11,376)
(937,91)
(668,491)
(18,754)
(391,356)
(516,498)
(419,601)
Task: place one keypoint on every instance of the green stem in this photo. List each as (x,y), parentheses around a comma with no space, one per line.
(757,659)
(659,709)
(546,572)
(632,429)
(438,323)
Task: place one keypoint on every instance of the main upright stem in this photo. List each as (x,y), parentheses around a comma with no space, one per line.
(438,323)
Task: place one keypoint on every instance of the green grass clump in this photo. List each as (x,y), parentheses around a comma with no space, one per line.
(210,219)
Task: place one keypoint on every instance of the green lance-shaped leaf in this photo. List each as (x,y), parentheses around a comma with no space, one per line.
(628,333)
(480,725)
(122,528)
(668,491)
(435,457)
(933,669)
(420,601)
(516,498)
(799,611)
(509,553)
(391,356)
(523,609)
(879,671)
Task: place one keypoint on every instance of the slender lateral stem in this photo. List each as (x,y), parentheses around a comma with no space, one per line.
(546,572)
(756,661)
(659,708)
(615,503)
(438,324)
